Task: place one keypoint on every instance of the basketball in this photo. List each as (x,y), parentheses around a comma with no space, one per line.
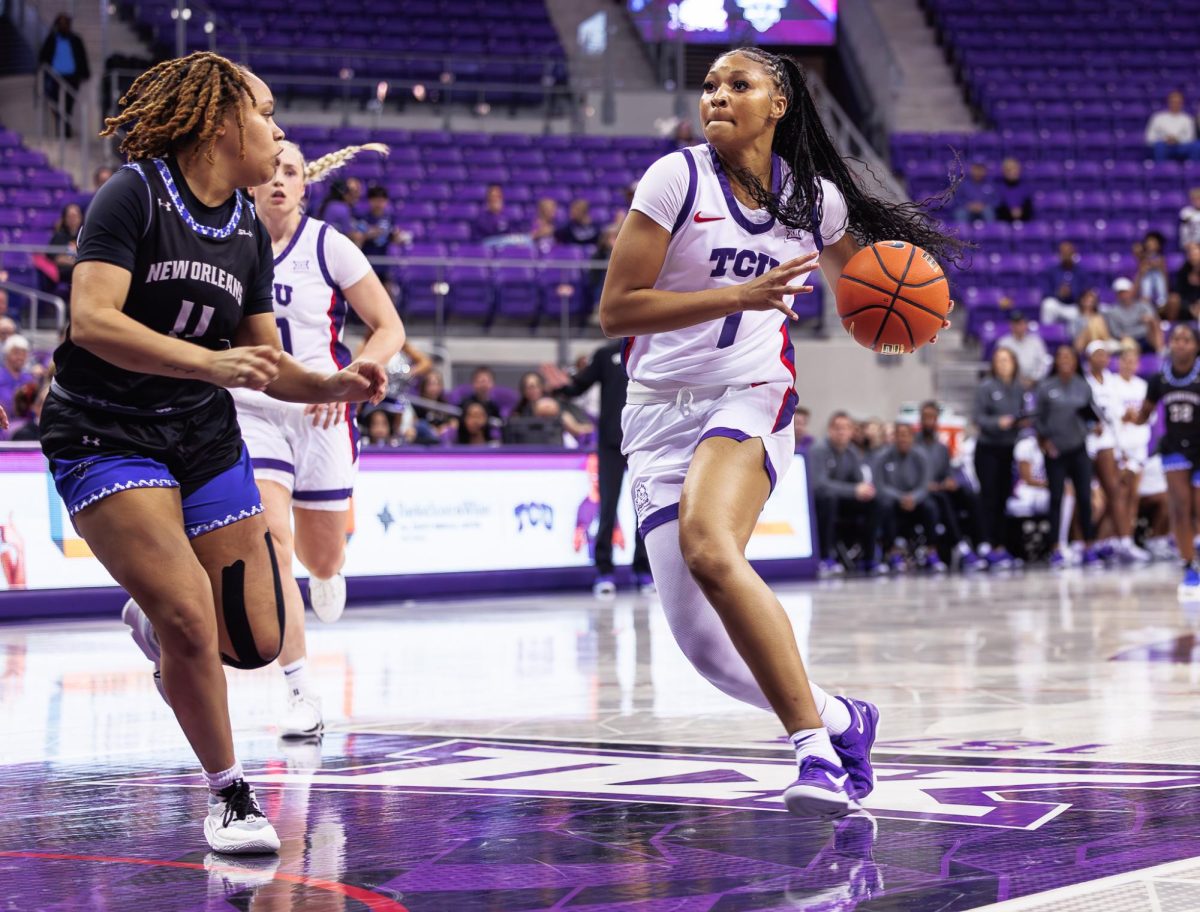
(893,297)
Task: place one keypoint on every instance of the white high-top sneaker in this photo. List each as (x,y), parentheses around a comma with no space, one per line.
(143,634)
(303,718)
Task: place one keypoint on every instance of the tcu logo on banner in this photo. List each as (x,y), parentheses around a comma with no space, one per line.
(745,263)
(534,514)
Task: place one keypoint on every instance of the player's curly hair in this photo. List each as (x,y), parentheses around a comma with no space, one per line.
(315,171)
(181,104)
(803,143)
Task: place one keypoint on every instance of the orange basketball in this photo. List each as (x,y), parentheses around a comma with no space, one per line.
(893,297)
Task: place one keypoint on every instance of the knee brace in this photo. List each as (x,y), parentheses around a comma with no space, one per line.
(694,623)
(237,622)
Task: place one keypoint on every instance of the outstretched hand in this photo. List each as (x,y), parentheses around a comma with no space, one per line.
(769,289)
(3,419)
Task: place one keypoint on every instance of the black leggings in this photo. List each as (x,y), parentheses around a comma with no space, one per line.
(1075,465)
(994,469)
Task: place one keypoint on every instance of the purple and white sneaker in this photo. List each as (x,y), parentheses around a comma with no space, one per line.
(821,790)
(1058,560)
(853,746)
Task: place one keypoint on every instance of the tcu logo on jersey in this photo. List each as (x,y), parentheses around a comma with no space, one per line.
(742,263)
(283,294)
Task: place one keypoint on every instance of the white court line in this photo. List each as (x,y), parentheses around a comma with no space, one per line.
(1040,902)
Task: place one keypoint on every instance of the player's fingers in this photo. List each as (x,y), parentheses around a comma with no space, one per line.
(797,289)
(784,309)
(950,309)
(790,272)
(945,324)
(808,258)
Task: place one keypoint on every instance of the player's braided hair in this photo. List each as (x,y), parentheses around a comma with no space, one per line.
(802,142)
(180,104)
(317,170)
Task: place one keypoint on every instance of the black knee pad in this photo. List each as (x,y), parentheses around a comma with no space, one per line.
(237,623)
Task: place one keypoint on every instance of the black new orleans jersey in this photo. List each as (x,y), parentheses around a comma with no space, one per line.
(1180,397)
(196,271)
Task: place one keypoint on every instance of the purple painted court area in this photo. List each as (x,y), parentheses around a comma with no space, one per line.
(391,822)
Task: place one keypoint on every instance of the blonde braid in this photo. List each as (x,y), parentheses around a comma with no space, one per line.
(317,170)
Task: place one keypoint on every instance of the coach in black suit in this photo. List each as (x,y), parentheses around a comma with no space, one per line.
(606,368)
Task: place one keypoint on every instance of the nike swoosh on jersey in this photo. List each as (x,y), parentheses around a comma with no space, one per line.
(707,218)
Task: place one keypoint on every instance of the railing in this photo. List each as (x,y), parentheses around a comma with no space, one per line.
(450,100)
(79,121)
(871,66)
(851,143)
(37,297)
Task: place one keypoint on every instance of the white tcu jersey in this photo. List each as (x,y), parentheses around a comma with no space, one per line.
(1027,450)
(310,308)
(1133,439)
(716,242)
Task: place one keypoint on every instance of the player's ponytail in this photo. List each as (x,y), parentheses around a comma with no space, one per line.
(803,143)
(315,171)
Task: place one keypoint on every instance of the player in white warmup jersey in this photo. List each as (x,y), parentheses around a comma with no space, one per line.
(718,238)
(305,458)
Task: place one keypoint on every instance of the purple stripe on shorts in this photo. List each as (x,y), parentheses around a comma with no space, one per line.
(659,517)
(731,433)
(771,476)
(333,494)
(280,464)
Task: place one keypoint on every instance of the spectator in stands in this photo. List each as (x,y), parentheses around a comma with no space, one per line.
(337,210)
(532,388)
(1133,318)
(1151,277)
(804,440)
(1089,324)
(64,53)
(28,402)
(483,381)
(1013,200)
(376,232)
(474,428)
(8,326)
(100,176)
(1033,361)
(1189,220)
(1187,279)
(976,196)
(902,476)
(493,224)
(4,310)
(873,438)
(378,430)
(433,389)
(579,227)
(15,371)
(1063,400)
(999,404)
(1171,134)
(545,224)
(950,495)
(841,493)
(1063,284)
(66,234)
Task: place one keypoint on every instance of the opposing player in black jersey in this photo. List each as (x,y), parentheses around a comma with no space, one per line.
(171,306)
(1177,387)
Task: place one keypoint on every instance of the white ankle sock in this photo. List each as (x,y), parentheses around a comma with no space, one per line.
(224,779)
(295,677)
(834,715)
(813,742)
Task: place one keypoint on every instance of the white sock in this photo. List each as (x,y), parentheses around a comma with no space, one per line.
(223,779)
(813,742)
(834,715)
(294,676)
(963,548)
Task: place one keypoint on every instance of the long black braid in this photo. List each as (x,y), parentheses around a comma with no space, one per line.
(802,142)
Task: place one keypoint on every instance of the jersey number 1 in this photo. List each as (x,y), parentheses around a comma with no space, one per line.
(184,317)
(729,330)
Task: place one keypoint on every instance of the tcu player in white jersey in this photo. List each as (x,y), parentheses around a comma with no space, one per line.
(305,458)
(718,238)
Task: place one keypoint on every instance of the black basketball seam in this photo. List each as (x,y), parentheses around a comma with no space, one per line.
(855,313)
(912,343)
(908,301)
(912,251)
(883,265)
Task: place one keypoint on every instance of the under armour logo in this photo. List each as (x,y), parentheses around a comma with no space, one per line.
(165,204)
(91,441)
